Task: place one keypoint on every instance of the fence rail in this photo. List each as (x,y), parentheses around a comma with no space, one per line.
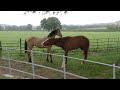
(64,71)
(100,44)
(33,69)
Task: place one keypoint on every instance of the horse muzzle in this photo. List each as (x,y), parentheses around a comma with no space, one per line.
(42,44)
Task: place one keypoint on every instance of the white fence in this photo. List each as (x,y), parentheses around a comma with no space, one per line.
(64,71)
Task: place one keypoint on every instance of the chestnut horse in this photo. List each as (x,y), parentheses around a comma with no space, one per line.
(36,41)
(69,43)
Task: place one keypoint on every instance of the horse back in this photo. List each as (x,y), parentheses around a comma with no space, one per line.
(76,42)
(82,41)
(36,41)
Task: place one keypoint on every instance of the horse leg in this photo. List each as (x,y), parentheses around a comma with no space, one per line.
(66,54)
(50,51)
(85,55)
(51,57)
(29,54)
(47,58)
(47,55)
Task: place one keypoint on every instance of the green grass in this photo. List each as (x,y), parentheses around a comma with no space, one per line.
(89,70)
(3,77)
(15,35)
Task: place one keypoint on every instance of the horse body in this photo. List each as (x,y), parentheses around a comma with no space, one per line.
(73,42)
(70,43)
(36,41)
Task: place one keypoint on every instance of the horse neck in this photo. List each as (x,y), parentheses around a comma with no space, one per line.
(51,36)
(58,42)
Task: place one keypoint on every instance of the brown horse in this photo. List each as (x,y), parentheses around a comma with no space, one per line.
(69,43)
(36,41)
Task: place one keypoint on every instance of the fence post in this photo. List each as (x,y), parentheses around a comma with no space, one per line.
(20,48)
(113,71)
(64,66)
(33,68)
(0,50)
(9,63)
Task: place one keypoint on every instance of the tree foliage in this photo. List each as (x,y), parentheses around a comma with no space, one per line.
(47,12)
(29,27)
(50,23)
(1,28)
(43,23)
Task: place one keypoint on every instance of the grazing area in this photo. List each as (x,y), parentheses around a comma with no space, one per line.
(104,48)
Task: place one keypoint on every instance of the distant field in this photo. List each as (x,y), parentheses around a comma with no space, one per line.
(15,35)
(89,70)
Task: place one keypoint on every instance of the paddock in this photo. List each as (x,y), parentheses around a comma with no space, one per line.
(40,69)
(102,49)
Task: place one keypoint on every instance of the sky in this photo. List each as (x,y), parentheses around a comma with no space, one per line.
(71,18)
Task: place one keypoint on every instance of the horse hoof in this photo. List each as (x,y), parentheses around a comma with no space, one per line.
(47,60)
(51,61)
(30,61)
(82,62)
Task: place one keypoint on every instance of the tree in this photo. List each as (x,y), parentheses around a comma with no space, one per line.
(15,28)
(8,28)
(43,23)
(38,27)
(29,27)
(22,28)
(1,28)
(50,23)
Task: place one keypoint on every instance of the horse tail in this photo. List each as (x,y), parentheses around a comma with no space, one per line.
(25,46)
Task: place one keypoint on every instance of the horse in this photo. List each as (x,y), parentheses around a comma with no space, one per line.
(70,43)
(36,41)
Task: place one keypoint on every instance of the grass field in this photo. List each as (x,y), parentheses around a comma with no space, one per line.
(14,35)
(100,37)
(89,70)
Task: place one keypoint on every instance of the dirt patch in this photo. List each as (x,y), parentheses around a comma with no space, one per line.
(28,68)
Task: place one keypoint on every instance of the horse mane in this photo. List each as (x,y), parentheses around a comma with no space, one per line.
(52,33)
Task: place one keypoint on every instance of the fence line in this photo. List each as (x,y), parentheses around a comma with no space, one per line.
(23,72)
(33,68)
(33,74)
(100,44)
(97,43)
(64,66)
(9,63)
(113,71)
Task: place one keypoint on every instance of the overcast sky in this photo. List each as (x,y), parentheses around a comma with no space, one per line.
(74,17)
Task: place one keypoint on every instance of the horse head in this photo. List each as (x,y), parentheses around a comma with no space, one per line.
(48,42)
(59,32)
(55,32)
